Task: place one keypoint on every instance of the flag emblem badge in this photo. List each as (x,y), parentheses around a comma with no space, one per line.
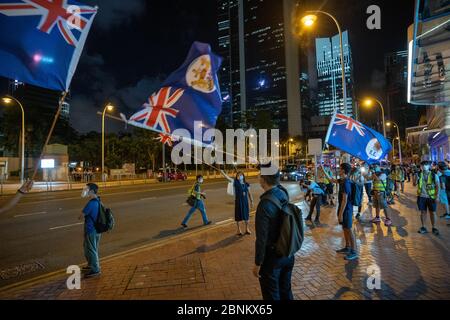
(200,76)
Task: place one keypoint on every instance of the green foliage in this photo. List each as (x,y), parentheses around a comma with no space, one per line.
(139,148)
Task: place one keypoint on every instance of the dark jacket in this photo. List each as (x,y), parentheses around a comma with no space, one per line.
(268,223)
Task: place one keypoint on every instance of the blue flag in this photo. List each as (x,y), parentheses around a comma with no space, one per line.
(190,94)
(355,138)
(41,41)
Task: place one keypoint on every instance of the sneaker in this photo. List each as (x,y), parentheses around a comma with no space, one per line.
(184,226)
(343,250)
(92,274)
(351,256)
(358,216)
(208,223)
(435,231)
(388,222)
(308,219)
(423,230)
(376,220)
(445,215)
(317,221)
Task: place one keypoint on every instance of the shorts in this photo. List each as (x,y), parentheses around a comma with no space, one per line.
(425,204)
(379,200)
(330,188)
(347,219)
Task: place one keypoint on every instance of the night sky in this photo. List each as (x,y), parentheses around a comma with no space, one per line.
(134,44)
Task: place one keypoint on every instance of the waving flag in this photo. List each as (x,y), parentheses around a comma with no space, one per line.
(355,138)
(190,94)
(41,40)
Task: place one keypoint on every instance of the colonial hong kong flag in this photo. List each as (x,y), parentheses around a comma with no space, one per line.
(190,94)
(355,138)
(41,40)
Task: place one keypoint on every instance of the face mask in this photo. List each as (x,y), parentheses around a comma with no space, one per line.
(85,193)
(241,179)
(426,167)
(200,181)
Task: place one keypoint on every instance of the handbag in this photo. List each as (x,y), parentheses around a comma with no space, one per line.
(191,201)
(230,189)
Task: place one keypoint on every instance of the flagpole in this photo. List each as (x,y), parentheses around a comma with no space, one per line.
(164,162)
(50,133)
(327,137)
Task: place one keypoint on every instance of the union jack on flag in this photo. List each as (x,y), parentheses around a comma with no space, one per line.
(357,139)
(155,113)
(349,123)
(41,41)
(53,13)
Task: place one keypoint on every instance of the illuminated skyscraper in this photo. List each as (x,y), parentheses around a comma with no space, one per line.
(329,73)
(261,73)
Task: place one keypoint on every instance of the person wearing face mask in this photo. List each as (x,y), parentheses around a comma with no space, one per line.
(242,198)
(379,192)
(428,189)
(318,195)
(196,192)
(91,237)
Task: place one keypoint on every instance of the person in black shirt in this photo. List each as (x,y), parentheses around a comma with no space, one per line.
(274,272)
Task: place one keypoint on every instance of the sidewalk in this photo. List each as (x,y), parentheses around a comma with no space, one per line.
(213,263)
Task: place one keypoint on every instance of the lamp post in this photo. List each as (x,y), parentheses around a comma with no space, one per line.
(390,123)
(308,21)
(9,100)
(370,102)
(109,107)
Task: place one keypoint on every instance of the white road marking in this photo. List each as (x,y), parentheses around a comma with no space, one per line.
(150,198)
(223,222)
(30,214)
(67,226)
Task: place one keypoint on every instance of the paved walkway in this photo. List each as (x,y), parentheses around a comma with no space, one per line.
(216,264)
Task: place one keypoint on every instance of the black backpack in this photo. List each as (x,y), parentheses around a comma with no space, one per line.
(291,231)
(105,219)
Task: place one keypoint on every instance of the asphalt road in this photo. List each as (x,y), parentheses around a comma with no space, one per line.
(43,233)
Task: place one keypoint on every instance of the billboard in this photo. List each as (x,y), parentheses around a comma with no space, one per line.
(429,54)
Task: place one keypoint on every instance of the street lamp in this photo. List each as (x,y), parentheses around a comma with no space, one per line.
(308,21)
(369,102)
(9,100)
(392,123)
(109,108)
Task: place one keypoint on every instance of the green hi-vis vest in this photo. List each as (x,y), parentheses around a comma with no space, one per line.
(379,185)
(430,187)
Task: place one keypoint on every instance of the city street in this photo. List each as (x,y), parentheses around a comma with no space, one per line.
(43,234)
(216,264)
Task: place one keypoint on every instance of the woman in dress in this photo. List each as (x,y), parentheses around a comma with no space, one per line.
(242,197)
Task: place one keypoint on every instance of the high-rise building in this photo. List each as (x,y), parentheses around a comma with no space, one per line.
(397,107)
(329,75)
(261,73)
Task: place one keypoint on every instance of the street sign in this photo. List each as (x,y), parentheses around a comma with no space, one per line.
(314,147)
(48,163)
